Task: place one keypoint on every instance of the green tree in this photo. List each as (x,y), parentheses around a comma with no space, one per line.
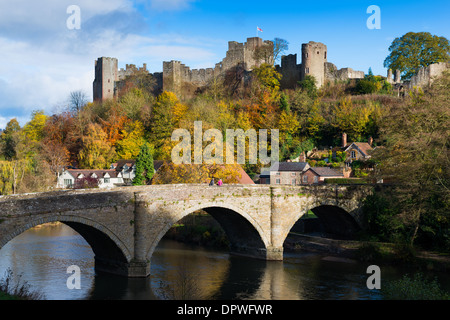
(416,157)
(309,86)
(144,166)
(8,139)
(415,50)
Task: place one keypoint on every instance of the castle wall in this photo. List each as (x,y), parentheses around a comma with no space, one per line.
(131,69)
(290,71)
(425,76)
(183,81)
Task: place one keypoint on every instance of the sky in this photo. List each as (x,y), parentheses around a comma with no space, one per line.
(43,58)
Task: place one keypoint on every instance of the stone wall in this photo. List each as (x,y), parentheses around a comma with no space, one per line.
(180,79)
(425,76)
(332,73)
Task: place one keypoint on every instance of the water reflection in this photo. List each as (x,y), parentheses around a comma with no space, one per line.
(43,254)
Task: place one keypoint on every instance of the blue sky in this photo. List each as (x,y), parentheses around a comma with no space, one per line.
(42,61)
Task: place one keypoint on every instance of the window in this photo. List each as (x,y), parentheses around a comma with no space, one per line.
(278,181)
(277,173)
(307,70)
(318,52)
(316,179)
(294,182)
(305,179)
(68,183)
(325,55)
(293,174)
(353,154)
(107,180)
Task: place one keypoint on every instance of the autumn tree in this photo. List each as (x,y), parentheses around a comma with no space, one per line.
(131,140)
(56,155)
(97,152)
(413,50)
(171,173)
(166,116)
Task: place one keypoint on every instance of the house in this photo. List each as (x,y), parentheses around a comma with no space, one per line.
(287,173)
(355,151)
(127,168)
(263,177)
(317,175)
(358,151)
(106,178)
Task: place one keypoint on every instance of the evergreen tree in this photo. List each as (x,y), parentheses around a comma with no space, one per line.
(144,166)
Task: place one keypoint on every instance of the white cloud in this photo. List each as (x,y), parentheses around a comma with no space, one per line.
(42,62)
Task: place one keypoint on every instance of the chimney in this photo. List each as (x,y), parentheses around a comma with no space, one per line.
(344,140)
(370,141)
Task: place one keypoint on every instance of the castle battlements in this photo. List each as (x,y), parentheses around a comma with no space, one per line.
(184,81)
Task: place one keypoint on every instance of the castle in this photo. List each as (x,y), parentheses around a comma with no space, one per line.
(184,82)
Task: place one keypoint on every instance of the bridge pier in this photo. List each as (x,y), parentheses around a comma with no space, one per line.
(133,269)
(269,253)
(274,253)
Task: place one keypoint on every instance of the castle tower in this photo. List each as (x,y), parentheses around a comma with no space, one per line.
(172,77)
(314,57)
(106,75)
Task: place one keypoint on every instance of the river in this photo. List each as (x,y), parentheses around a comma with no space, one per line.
(42,255)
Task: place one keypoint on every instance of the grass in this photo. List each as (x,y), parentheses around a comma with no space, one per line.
(12,287)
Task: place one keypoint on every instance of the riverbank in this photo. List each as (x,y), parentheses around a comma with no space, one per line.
(374,252)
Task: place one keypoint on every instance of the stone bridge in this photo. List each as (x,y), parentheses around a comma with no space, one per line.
(124,225)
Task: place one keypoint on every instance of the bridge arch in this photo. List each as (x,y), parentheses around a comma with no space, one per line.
(337,220)
(246,235)
(107,247)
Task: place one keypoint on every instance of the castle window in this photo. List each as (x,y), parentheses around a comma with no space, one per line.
(307,70)
(325,56)
(109,80)
(109,90)
(318,52)
(307,54)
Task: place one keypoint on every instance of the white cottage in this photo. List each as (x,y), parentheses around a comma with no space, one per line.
(127,168)
(106,178)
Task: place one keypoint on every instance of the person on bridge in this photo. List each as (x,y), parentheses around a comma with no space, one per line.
(220,183)
(212,182)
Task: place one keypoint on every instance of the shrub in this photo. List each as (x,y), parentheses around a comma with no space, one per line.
(86,183)
(414,288)
(13,287)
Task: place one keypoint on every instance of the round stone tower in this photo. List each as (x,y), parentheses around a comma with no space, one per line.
(314,57)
